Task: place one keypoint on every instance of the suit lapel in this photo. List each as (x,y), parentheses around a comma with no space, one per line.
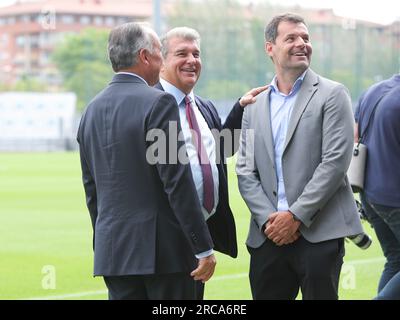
(203,109)
(206,114)
(264,123)
(307,90)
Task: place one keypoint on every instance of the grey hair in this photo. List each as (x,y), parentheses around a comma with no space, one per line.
(179,32)
(271,30)
(126,41)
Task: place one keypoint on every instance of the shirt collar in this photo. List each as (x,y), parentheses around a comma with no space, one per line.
(295,88)
(178,94)
(133,74)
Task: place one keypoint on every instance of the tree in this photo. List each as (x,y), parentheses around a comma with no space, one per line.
(25,84)
(233,55)
(227,46)
(83,63)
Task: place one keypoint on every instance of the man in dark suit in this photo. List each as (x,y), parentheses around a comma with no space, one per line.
(179,74)
(149,231)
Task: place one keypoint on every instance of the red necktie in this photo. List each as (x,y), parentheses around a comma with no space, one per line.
(208,182)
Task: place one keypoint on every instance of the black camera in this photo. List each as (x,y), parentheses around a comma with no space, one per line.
(361,240)
(361,212)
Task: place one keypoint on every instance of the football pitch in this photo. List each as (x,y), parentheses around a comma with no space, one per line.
(46,238)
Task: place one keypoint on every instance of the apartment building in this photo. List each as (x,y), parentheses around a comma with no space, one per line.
(29,32)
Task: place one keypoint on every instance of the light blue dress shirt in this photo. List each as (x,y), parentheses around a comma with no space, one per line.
(281,106)
(209,144)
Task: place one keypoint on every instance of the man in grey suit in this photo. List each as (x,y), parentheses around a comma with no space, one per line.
(295,148)
(149,232)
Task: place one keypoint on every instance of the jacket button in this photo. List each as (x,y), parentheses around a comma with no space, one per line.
(274,193)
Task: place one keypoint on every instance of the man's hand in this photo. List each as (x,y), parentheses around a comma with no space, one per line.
(282,228)
(205,268)
(250,97)
(289,239)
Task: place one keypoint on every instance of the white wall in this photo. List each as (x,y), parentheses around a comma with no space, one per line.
(37,115)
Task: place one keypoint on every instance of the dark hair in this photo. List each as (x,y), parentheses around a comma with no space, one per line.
(271,30)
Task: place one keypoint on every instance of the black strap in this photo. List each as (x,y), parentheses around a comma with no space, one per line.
(360,139)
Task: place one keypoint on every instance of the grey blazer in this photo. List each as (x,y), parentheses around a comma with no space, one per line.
(315,159)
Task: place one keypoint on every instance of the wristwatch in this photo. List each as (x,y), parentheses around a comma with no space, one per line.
(295,218)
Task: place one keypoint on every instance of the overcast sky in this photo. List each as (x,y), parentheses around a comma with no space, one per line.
(382,11)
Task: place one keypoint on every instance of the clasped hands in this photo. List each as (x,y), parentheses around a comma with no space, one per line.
(282,228)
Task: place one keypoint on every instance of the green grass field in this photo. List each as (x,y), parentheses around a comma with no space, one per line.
(45,238)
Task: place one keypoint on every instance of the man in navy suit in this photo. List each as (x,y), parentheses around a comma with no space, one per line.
(149,232)
(179,74)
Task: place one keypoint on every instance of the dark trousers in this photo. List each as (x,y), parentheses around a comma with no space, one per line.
(386,223)
(278,272)
(174,286)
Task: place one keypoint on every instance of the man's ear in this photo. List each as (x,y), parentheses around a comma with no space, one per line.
(143,56)
(268,48)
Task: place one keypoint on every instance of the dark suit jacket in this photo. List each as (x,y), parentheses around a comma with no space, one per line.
(221,224)
(146,218)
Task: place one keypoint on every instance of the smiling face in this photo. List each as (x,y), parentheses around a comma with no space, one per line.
(292,49)
(182,64)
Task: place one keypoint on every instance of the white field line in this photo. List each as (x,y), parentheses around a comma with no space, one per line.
(365,261)
(217,278)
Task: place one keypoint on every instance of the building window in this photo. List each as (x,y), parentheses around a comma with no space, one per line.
(34,40)
(21,40)
(25,18)
(34,63)
(67,19)
(84,20)
(19,59)
(122,20)
(44,39)
(4,39)
(98,20)
(110,21)
(44,58)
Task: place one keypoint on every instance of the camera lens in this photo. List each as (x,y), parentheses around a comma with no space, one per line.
(362,240)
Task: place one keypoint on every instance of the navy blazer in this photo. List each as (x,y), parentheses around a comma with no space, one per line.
(139,210)
(221,224)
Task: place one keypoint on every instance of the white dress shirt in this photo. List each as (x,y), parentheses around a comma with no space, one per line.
(209,145)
